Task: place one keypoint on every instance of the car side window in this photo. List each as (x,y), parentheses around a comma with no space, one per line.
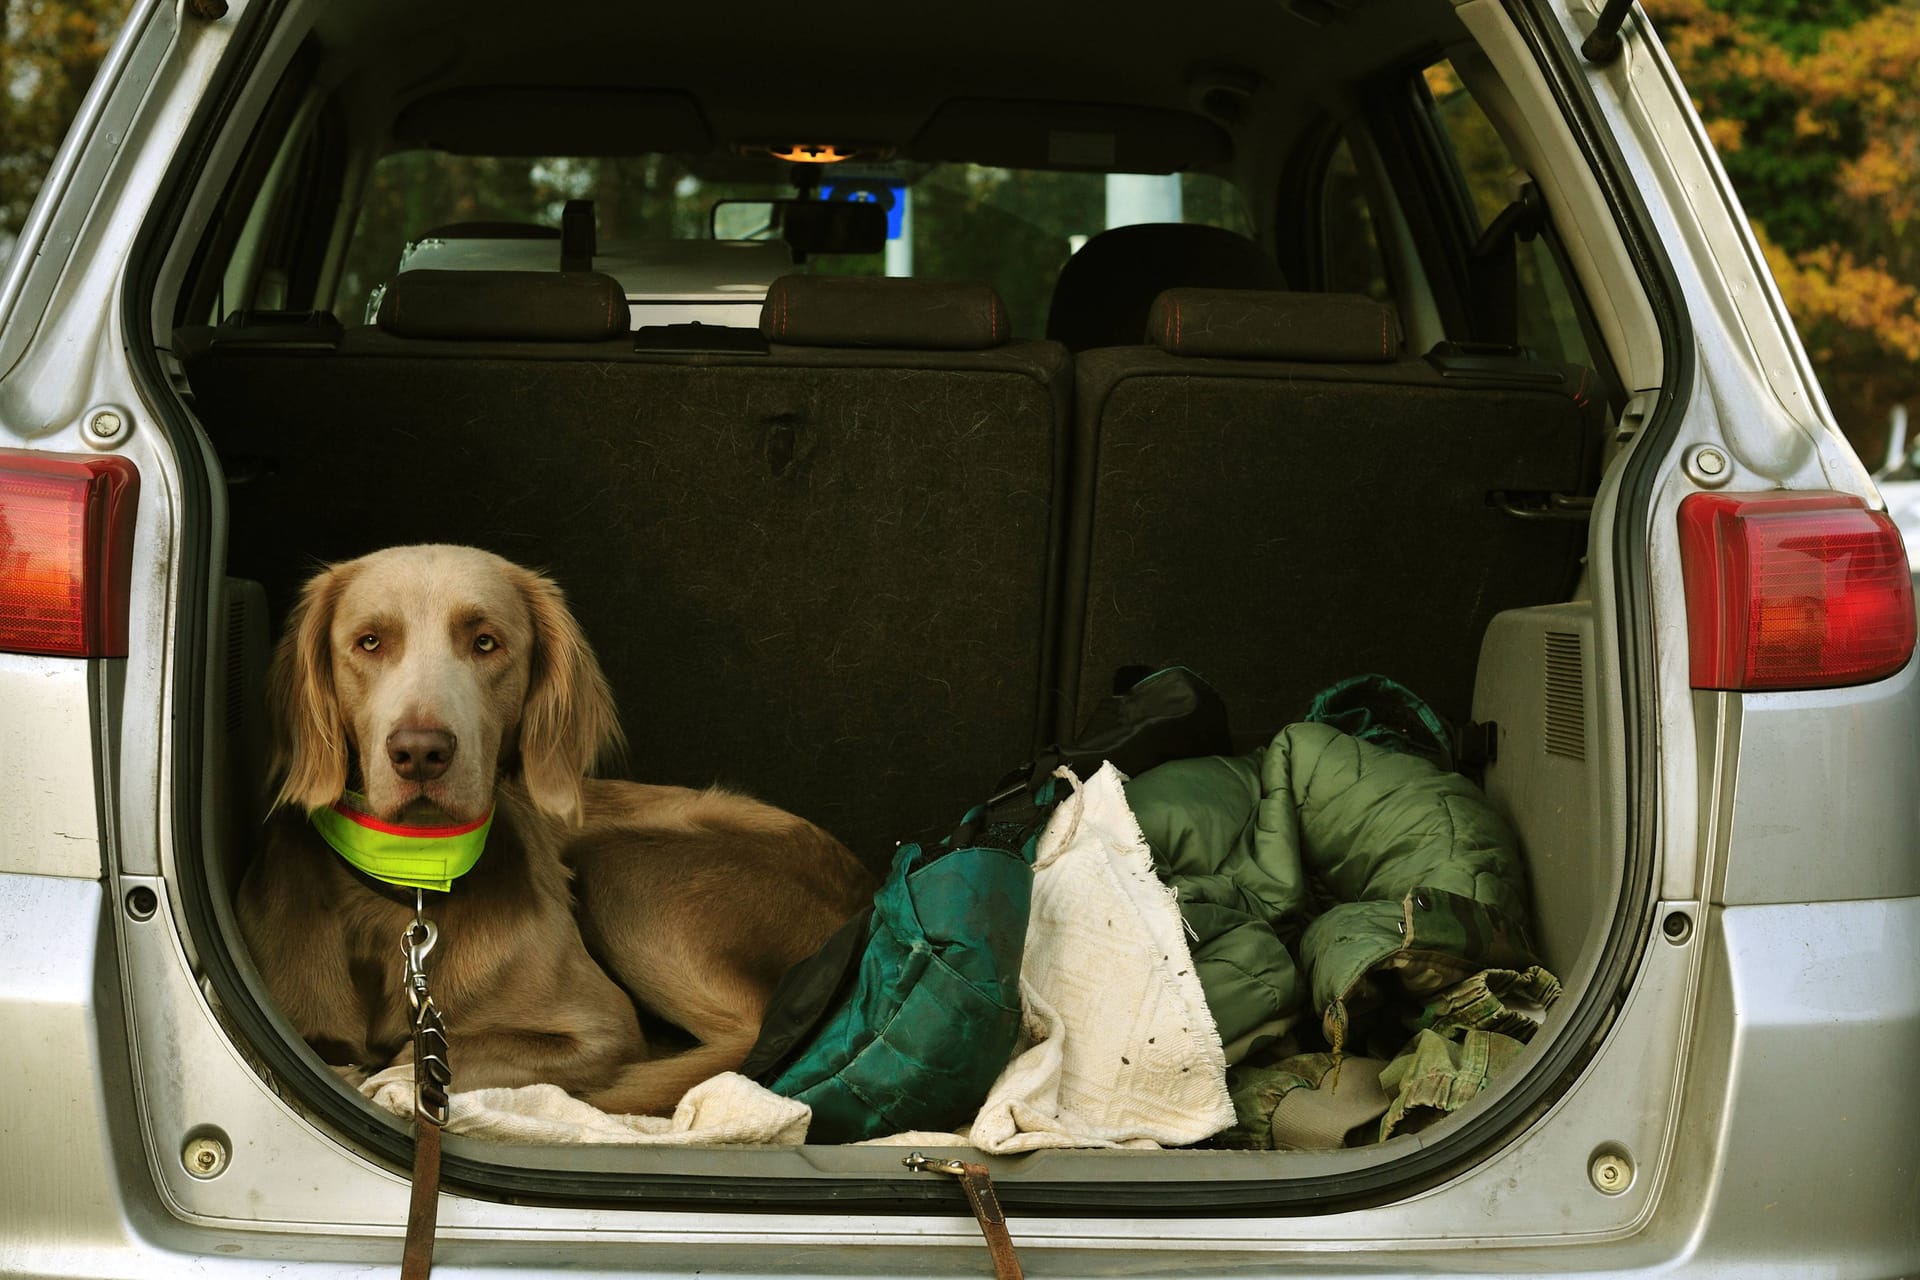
(1547,313)
(1350,254)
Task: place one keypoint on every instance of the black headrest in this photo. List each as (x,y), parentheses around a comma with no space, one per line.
(1106,289)
(514,306)
(1245,324)
(881,311)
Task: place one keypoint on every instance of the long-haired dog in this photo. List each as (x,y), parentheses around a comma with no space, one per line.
(436,683)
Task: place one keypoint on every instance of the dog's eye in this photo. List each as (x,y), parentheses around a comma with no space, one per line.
(368,642)
(485,644)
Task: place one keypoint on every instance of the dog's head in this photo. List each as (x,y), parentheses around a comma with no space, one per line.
(430,671)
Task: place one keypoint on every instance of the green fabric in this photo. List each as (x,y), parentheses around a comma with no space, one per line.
(1199,818)
(1386,713)
(935,1008)
(1486,1002)
(1311,869)
(1463,1037)
(912,1032)
(1340,1110)
(1434,1076)
(1338,1094)
(431,858)
(1428,940)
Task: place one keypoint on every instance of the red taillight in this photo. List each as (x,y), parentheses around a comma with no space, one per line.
(1793,591)
(66,548)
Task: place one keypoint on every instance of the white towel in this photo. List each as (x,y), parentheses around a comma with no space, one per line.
(1124,1050)
(727,1109)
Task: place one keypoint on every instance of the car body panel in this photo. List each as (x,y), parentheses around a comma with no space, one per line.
(50,824)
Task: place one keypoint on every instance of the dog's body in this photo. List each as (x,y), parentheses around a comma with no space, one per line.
(448,680)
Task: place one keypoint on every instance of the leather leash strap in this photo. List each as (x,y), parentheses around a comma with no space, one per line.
(432,1078)
(978,1184)
(416,1263)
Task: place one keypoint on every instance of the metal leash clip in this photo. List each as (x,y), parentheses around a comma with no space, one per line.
(432,1068)
(977,1183)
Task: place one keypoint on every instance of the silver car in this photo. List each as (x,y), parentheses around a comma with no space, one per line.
(1586,498)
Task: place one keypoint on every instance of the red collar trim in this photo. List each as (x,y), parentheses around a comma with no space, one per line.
(372,823)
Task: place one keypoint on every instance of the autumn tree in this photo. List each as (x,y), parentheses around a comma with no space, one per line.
(48,58)
(1816,112)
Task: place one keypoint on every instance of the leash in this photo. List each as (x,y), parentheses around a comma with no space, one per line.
(432,1077)
(389,858)
(978,1184)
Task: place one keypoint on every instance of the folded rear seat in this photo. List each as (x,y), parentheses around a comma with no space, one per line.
(817,564)
(1275,495)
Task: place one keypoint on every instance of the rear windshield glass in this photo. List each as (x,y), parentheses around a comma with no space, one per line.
(1013,228)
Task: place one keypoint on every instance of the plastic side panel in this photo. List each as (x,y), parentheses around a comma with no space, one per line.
(49,815)
(1827,801)
(1536,684)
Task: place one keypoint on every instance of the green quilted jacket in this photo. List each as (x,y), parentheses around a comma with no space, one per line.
(1322,874)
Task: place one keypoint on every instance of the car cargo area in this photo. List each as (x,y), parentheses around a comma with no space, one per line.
(860,529)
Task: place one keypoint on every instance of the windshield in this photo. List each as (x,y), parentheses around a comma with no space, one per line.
(1012,228)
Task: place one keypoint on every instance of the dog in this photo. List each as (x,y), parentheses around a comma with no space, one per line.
(436,682)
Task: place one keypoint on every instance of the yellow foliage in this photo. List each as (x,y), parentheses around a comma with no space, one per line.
(1827,288)
(1884,173)
(1441,80)
(1726,134)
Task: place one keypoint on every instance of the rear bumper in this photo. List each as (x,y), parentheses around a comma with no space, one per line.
(1795,1146)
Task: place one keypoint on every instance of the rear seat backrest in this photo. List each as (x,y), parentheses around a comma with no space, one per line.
(821,574)
(530,306)
(1276,496)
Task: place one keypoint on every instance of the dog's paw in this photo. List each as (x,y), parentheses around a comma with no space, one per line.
(353,1073)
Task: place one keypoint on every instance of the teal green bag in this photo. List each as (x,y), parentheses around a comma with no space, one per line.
(934,1010)
(904,1019)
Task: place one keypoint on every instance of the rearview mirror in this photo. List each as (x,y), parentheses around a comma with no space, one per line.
(810,226)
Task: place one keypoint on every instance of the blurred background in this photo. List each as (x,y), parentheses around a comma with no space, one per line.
(1815,108)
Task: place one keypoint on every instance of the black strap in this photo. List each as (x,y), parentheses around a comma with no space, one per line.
(577,238)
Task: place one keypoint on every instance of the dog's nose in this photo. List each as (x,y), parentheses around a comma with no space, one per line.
(420,755)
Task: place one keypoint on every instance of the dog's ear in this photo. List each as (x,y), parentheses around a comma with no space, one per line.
(570,719)
(309,731)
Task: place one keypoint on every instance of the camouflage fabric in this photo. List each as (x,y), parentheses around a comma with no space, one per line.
(1435,1075)
(1463,1035)
(1506,1001)
(1257,1090)
(1439,939)
(1306,1102)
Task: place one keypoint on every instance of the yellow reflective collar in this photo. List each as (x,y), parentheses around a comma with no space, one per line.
(413,857)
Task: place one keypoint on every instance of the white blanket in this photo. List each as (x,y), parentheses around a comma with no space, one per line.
(726,1109)
(1124,1050)
(1118,1047)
